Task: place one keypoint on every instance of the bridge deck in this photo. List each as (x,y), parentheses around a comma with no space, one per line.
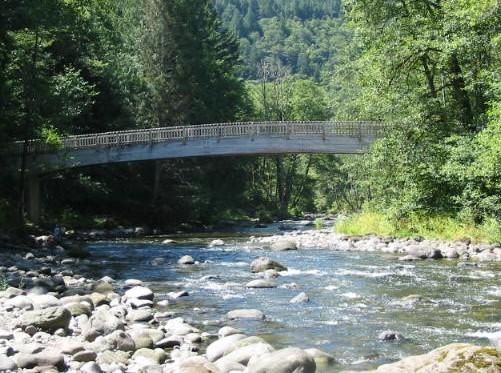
(356,129)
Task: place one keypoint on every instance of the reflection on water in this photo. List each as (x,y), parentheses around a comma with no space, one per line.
(353,296)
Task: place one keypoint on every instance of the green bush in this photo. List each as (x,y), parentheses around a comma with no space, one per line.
(442,227)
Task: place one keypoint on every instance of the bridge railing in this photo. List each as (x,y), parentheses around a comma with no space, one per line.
(219,130)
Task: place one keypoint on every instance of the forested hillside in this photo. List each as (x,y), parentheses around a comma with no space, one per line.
(301,34)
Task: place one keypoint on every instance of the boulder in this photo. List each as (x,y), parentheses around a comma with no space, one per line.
(186,260)
(455,357)
(300,298)
(284,245)
(263,263)
(218,348)
(48,319)
(261,284)
(139,292)
(246,314)
(287,360)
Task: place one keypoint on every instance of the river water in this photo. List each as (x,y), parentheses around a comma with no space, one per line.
(354,296)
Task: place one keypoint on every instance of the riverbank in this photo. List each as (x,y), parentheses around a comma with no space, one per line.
(407,249)
(55,315)
(437,227)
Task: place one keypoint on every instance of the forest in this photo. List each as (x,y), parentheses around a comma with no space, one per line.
(430,67)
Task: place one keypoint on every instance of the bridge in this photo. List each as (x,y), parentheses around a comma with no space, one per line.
(222,139)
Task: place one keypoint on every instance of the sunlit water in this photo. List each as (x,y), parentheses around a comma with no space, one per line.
(351,296)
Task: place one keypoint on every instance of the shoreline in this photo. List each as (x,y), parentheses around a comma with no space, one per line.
(408,249)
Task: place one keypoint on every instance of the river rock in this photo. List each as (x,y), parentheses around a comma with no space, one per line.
(246,314)
(49,319)
(77,309)
(140,303)
(139,292)
(102,322)
(227,330)
(263,263)
(91,367)
(141,314)
(41,359)
(102,287)
(186,260)
(120,340)
(193,364)
(287,360)
(217,242)
(130,283)
(142,341)
(21,301)
(321,358)
(7,364)
(218,348)
(284,245)
(300,298)
(261,284)
(455,357)
(148,356)
(244,354)
(11,292)
(178,294)
(389,335)
(71,347)
(111,357)
(98,299)
(85,356)
(169,342)
(44,301)
(5,335)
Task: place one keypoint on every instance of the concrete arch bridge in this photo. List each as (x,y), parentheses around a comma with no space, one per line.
(222,139)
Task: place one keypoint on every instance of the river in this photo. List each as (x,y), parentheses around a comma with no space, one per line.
(353,296)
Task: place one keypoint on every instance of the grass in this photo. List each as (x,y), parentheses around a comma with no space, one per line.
(442,227)
(3,283)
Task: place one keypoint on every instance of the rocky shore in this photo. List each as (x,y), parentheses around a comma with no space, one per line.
(408,249)
(55,317)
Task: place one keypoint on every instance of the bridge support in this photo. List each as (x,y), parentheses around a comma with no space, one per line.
(33,197)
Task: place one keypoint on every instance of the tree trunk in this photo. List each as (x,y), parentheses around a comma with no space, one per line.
(460,94)
(283,203)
